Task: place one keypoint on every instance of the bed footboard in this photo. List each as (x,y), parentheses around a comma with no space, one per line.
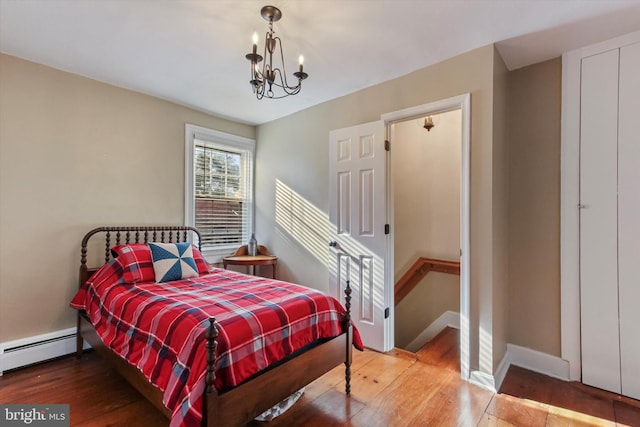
(242,404)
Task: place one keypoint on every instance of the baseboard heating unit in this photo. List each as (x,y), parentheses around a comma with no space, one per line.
(39,348)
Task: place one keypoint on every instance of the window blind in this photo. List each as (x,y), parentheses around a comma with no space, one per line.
(222,192)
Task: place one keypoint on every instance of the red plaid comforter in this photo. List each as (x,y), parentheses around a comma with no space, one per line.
(160,328)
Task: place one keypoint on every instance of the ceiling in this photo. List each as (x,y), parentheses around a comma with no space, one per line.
(192,51)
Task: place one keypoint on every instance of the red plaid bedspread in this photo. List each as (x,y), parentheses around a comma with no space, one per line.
(160,328)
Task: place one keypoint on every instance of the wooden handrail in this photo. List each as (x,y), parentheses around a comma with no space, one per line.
(418,270)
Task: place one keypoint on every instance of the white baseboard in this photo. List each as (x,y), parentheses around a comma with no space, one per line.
(26,351)
(527,358)
(533,360)
(523,357)
(448,318)
(484,380)
(502,369)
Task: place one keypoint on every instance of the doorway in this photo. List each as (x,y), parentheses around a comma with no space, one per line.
(415,116)
(361,214)
(425,175)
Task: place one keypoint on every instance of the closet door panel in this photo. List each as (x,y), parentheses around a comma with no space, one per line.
(598,221)
(629,219)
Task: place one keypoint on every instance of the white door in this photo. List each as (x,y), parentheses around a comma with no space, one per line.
(629,219)
(598,222)
(357,214)
(610,220)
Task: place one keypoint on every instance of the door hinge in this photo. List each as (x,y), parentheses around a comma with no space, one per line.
(387,229)
(387,145)
(386,313)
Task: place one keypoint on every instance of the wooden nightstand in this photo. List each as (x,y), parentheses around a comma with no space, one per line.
(241,257)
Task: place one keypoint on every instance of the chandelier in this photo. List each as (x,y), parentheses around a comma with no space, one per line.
(271,81)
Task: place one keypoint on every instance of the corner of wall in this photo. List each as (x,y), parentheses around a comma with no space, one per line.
(532,360)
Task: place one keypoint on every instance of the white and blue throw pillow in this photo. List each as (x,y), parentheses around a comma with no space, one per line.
(173,261)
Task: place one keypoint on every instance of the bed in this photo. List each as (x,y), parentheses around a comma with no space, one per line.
(191,361)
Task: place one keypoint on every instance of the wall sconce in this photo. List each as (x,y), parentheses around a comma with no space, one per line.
(428,124)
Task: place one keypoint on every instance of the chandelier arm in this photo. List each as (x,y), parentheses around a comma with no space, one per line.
(299,75)
(289,90)
(267,60)
(285,84)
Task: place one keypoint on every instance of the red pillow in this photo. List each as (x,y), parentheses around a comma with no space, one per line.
(137,262)
(201,263)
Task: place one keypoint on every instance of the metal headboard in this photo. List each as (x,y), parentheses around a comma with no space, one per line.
(136,234)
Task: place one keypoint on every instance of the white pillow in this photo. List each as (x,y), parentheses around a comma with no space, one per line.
(173,261)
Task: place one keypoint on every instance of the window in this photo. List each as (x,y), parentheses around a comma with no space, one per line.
(219,188)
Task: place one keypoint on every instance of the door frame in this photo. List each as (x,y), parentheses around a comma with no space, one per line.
(463,103)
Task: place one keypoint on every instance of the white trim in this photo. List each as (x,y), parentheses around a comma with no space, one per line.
(532,360)
(389,261)
(569,214)
(503,368)
(483,380)
(538,361)
(465,232)
(217,138)
(462,102)
(570,198)
(39,348)
(446,319)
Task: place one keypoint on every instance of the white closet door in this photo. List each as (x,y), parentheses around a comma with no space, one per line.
(598,221)
(629,219)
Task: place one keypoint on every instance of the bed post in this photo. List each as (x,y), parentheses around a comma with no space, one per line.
(349,330)
(82,277)
(210,402)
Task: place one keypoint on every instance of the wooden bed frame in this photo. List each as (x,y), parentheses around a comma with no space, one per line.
(240,405)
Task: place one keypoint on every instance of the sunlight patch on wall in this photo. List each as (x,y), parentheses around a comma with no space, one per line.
(303,222)
(486,351)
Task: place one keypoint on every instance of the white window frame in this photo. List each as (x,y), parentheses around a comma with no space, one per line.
(223,141)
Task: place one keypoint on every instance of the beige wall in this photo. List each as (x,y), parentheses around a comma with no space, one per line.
(534,207)
(294,151)
(499,297)
(75,154)
(425,170)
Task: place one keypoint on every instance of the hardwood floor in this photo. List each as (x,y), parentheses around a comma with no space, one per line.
(393,389)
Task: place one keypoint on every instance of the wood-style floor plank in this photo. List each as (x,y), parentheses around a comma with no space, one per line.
(519,412)
(393,389)
(565,403)
(97,396)
(397,404)
(443,350)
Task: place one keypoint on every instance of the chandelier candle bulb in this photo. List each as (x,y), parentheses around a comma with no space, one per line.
(255,43)
(301,62)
